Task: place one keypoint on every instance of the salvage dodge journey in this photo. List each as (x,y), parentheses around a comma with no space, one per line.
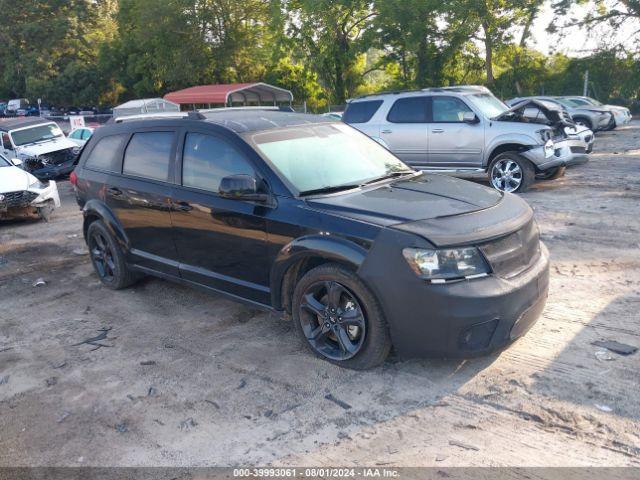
(307,216)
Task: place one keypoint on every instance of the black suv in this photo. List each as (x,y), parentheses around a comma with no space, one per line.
(306,215)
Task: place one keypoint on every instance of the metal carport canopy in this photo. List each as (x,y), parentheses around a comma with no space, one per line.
(227,94)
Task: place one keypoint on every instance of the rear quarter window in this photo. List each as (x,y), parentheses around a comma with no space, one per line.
(107,153)
(361,112)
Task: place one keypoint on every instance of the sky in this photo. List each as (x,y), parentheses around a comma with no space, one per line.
(578,42)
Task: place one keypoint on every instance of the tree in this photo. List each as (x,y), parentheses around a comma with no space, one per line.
(423,37)
(331,34)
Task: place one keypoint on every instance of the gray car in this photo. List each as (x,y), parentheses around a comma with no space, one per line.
(593,117)
(466,130)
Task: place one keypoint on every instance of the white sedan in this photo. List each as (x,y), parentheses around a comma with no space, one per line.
(81,135)
(22,194)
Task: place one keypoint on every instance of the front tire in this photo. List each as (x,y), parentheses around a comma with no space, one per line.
(107,258)
(585,122)
(339,319)
(552,173)
(511,172)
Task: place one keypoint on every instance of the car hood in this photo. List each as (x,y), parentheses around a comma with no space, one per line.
(556,115)
(425,196)
(35,149)
(14,179)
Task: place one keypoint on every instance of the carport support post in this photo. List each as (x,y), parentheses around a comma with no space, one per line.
(585,88)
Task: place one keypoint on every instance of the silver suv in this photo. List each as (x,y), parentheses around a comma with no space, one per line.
(466,130)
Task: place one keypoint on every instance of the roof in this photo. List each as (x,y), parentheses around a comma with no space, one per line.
(20,122)
(231,92)
(454,89)
(243,121)
(143,102)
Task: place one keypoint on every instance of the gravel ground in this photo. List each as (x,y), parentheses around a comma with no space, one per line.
(190,379)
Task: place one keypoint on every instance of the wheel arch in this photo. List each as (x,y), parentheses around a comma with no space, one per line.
(506,147)
(95,210)
(303,254)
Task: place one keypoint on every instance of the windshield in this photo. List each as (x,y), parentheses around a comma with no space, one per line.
(4,162)
(38,133)
(489,105)
(326,156)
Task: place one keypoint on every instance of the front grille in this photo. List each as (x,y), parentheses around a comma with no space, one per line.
(515,253)
(578,150)
(56,158)
(16,199)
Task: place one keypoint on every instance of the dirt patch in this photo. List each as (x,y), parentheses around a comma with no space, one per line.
(186,378)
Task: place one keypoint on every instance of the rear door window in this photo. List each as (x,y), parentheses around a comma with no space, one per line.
(148,155)
(361,112)
(409,110)
(207,159)
(107,153)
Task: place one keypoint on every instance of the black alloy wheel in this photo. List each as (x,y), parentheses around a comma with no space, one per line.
(332,320)
(107,258)
(102,256)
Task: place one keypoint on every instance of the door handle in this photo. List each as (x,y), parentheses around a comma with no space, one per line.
(114,192)
(386,131)
(437,130)
(183,207)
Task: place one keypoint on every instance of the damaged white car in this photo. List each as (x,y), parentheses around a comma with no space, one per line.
(22,194)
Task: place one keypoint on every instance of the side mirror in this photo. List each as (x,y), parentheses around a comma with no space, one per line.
(16,161)
(470,117)
(241,187)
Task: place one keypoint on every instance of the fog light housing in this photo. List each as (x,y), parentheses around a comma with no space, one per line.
(478,336)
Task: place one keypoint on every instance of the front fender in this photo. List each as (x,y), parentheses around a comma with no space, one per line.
(96,208)
(518,138)
(312,246)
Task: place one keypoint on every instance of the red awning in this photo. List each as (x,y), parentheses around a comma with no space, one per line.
(226,94)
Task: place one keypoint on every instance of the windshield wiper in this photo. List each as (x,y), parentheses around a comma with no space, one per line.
(387,176)
(329,189)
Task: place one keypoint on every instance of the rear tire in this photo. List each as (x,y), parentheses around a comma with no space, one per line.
(511,172)
(107,258)
(345,326)
(552,173)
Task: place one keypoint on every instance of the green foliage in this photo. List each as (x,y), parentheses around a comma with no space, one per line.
(86,52)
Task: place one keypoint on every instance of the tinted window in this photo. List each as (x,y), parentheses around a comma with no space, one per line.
(148,155)
(448,109)
(86,134)
(408,110)
(361,112)
(75,134)
(107,153)
(207,159)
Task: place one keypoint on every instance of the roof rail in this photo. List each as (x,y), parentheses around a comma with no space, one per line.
(458,88)
(384,92)
(151,116)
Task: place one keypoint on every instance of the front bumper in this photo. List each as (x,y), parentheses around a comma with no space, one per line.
(562,156)
(50,172)
(460,319)
(45,198)
(621,117)
(581,145)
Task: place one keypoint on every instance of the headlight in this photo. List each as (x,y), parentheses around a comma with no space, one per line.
(37,185)
(448,264)
(549,149)
(545,134)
